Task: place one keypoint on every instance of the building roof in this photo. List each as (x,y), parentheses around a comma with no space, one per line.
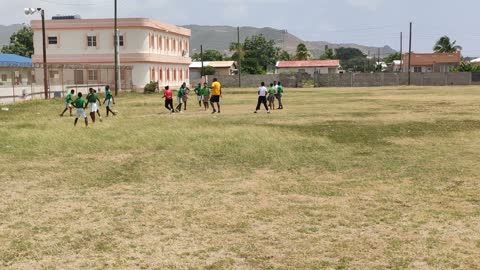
(13,60)
(429,59)
(123,23)
(308,63)
(215,64)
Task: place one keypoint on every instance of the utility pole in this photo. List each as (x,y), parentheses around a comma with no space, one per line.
(202,72)
(410,56)
(239,58)
(45,65)
(117,70)
(401,51)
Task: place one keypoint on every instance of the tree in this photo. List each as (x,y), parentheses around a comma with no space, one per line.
(21,43)
(444,45)
(208,55)
(467,67)
(328,55)
(209,70)
(257,54)
(283,55)
(392,57)
(302,52)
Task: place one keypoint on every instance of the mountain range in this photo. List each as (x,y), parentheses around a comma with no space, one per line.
(220,37)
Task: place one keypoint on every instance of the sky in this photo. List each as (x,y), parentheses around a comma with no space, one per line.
(366,22)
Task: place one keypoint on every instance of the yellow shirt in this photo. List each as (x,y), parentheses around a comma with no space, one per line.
(216,86)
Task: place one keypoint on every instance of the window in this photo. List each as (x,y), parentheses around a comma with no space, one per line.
(417,69)
(52,40)
(121,41)
(93,75)
(160,43)
(78,76)
(4,77)
(91,41)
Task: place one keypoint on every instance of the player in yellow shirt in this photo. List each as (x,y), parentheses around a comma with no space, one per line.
(216,95)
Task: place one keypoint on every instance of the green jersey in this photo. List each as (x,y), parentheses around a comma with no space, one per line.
(79,103)
(198,90)
(271,91)
(280,90)
(181,92)
(205,91)
(108,94)
(92,98)
(68,98)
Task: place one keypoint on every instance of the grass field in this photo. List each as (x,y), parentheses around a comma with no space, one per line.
(357,178)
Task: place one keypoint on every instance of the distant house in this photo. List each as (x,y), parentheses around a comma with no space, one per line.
(221,68)
(15,76)
(397,66)
(432,62)
(308,66)
(15,69)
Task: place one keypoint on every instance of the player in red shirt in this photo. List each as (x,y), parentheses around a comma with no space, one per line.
(168,95)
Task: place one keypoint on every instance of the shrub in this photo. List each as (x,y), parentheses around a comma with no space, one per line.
(151,87)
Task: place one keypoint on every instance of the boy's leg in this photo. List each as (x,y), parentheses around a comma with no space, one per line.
(92,115)
(64,111)
(75,123)
(86,121)
(264,101)
(71,111)
(218,106)
(259,102)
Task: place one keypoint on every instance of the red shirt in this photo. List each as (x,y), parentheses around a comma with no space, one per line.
(168,94)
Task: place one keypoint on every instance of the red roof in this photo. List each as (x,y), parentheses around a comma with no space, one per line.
(429,59)
(308,63)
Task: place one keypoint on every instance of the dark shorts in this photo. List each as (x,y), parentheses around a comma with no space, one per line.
(215,99)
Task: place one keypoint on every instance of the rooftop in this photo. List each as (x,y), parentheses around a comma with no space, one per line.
(308,63)
(215,64)
(429,59)
(13,60)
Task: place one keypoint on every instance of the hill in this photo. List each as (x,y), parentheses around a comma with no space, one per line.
(220,37)
(6,31)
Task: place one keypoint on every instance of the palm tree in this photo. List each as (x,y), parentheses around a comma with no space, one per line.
(444,45)
(302,52)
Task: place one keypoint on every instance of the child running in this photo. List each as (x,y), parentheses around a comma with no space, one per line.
(206,96)
(180,94)
(262,98)
(168,95)
(271,97)
(92,99)
(80,104)
(279,96)
(109,100)
(198,91)
(185,95)
(68,100)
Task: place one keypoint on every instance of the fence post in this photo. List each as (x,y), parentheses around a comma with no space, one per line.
(352,76)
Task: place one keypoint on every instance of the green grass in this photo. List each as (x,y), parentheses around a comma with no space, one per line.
(352,178)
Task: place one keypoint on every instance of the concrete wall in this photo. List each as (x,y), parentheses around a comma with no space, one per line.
(349,79)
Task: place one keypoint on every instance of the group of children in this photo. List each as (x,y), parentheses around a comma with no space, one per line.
(92,99)
(205,95)
(275,91)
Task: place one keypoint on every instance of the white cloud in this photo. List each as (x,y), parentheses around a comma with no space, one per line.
(369,4)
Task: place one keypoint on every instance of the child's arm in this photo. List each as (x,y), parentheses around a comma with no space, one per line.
(99,102)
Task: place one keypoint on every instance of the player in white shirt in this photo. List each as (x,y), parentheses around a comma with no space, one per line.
(262,98)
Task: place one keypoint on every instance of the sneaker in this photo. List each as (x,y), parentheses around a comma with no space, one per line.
(268,111)
(101,120)
(255,112)
(214,112)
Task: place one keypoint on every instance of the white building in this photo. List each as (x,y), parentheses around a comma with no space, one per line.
(308,66)
(156,51)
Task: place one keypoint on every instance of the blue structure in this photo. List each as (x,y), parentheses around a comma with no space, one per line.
(13,60)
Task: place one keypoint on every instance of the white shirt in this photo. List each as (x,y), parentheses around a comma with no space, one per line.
(262,91)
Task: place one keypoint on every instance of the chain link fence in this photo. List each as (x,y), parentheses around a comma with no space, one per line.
(19,84)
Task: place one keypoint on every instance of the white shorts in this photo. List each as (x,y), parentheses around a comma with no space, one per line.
(108,102)
(68,105)
(200,98)
(93,107)
(180,100)
(81,113)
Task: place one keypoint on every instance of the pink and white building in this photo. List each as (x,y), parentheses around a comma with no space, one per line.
(154,50)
